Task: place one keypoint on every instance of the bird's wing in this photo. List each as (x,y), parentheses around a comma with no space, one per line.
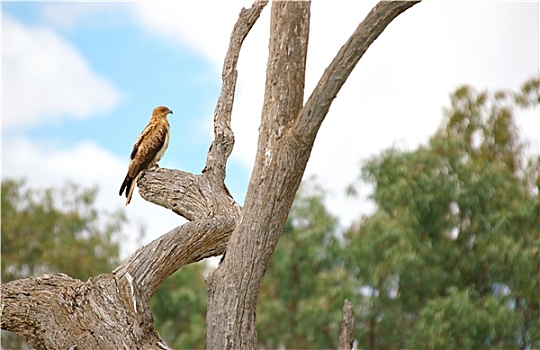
(147,146)
(128,181)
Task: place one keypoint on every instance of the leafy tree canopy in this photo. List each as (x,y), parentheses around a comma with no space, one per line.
(56,230)
(450,258)
(179,307)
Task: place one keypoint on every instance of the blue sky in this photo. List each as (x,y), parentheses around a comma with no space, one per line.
(146,70)
(79,81)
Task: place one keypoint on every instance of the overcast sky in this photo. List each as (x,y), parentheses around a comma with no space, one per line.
(79,81)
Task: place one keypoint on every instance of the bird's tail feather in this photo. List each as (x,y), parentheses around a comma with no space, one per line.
(131,187)
(126,183)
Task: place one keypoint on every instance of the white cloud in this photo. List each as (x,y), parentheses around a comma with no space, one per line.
(46,79)
(45,164)
(72,14)
(205,26)
(396,94)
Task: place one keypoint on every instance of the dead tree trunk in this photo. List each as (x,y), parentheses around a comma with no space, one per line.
(286,137)
(346,339)
(110,311)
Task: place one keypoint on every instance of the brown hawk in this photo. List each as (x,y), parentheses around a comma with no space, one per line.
(148,149)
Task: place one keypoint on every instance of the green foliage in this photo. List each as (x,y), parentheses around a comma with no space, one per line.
(179,307)
(302,294)
(56,230)
(463,320)
(450,259)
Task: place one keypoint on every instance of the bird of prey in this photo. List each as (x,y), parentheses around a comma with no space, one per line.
(148,149)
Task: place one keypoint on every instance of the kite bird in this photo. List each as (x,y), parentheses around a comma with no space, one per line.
(148,149)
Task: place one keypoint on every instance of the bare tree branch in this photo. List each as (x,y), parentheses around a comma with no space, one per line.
(186,244)
(335,75)
(222,146)
(59,312)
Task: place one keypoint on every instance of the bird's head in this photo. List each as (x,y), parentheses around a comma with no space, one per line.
(161,112)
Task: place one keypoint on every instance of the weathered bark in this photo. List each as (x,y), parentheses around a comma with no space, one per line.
(234,286)
(110,311)
(59,312)
(213,214)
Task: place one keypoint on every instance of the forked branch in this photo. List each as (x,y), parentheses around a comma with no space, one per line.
(335,75)
(203,199)
(222,146)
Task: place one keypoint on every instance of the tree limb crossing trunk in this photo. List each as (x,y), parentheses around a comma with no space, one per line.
(286,137)
(234,286)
